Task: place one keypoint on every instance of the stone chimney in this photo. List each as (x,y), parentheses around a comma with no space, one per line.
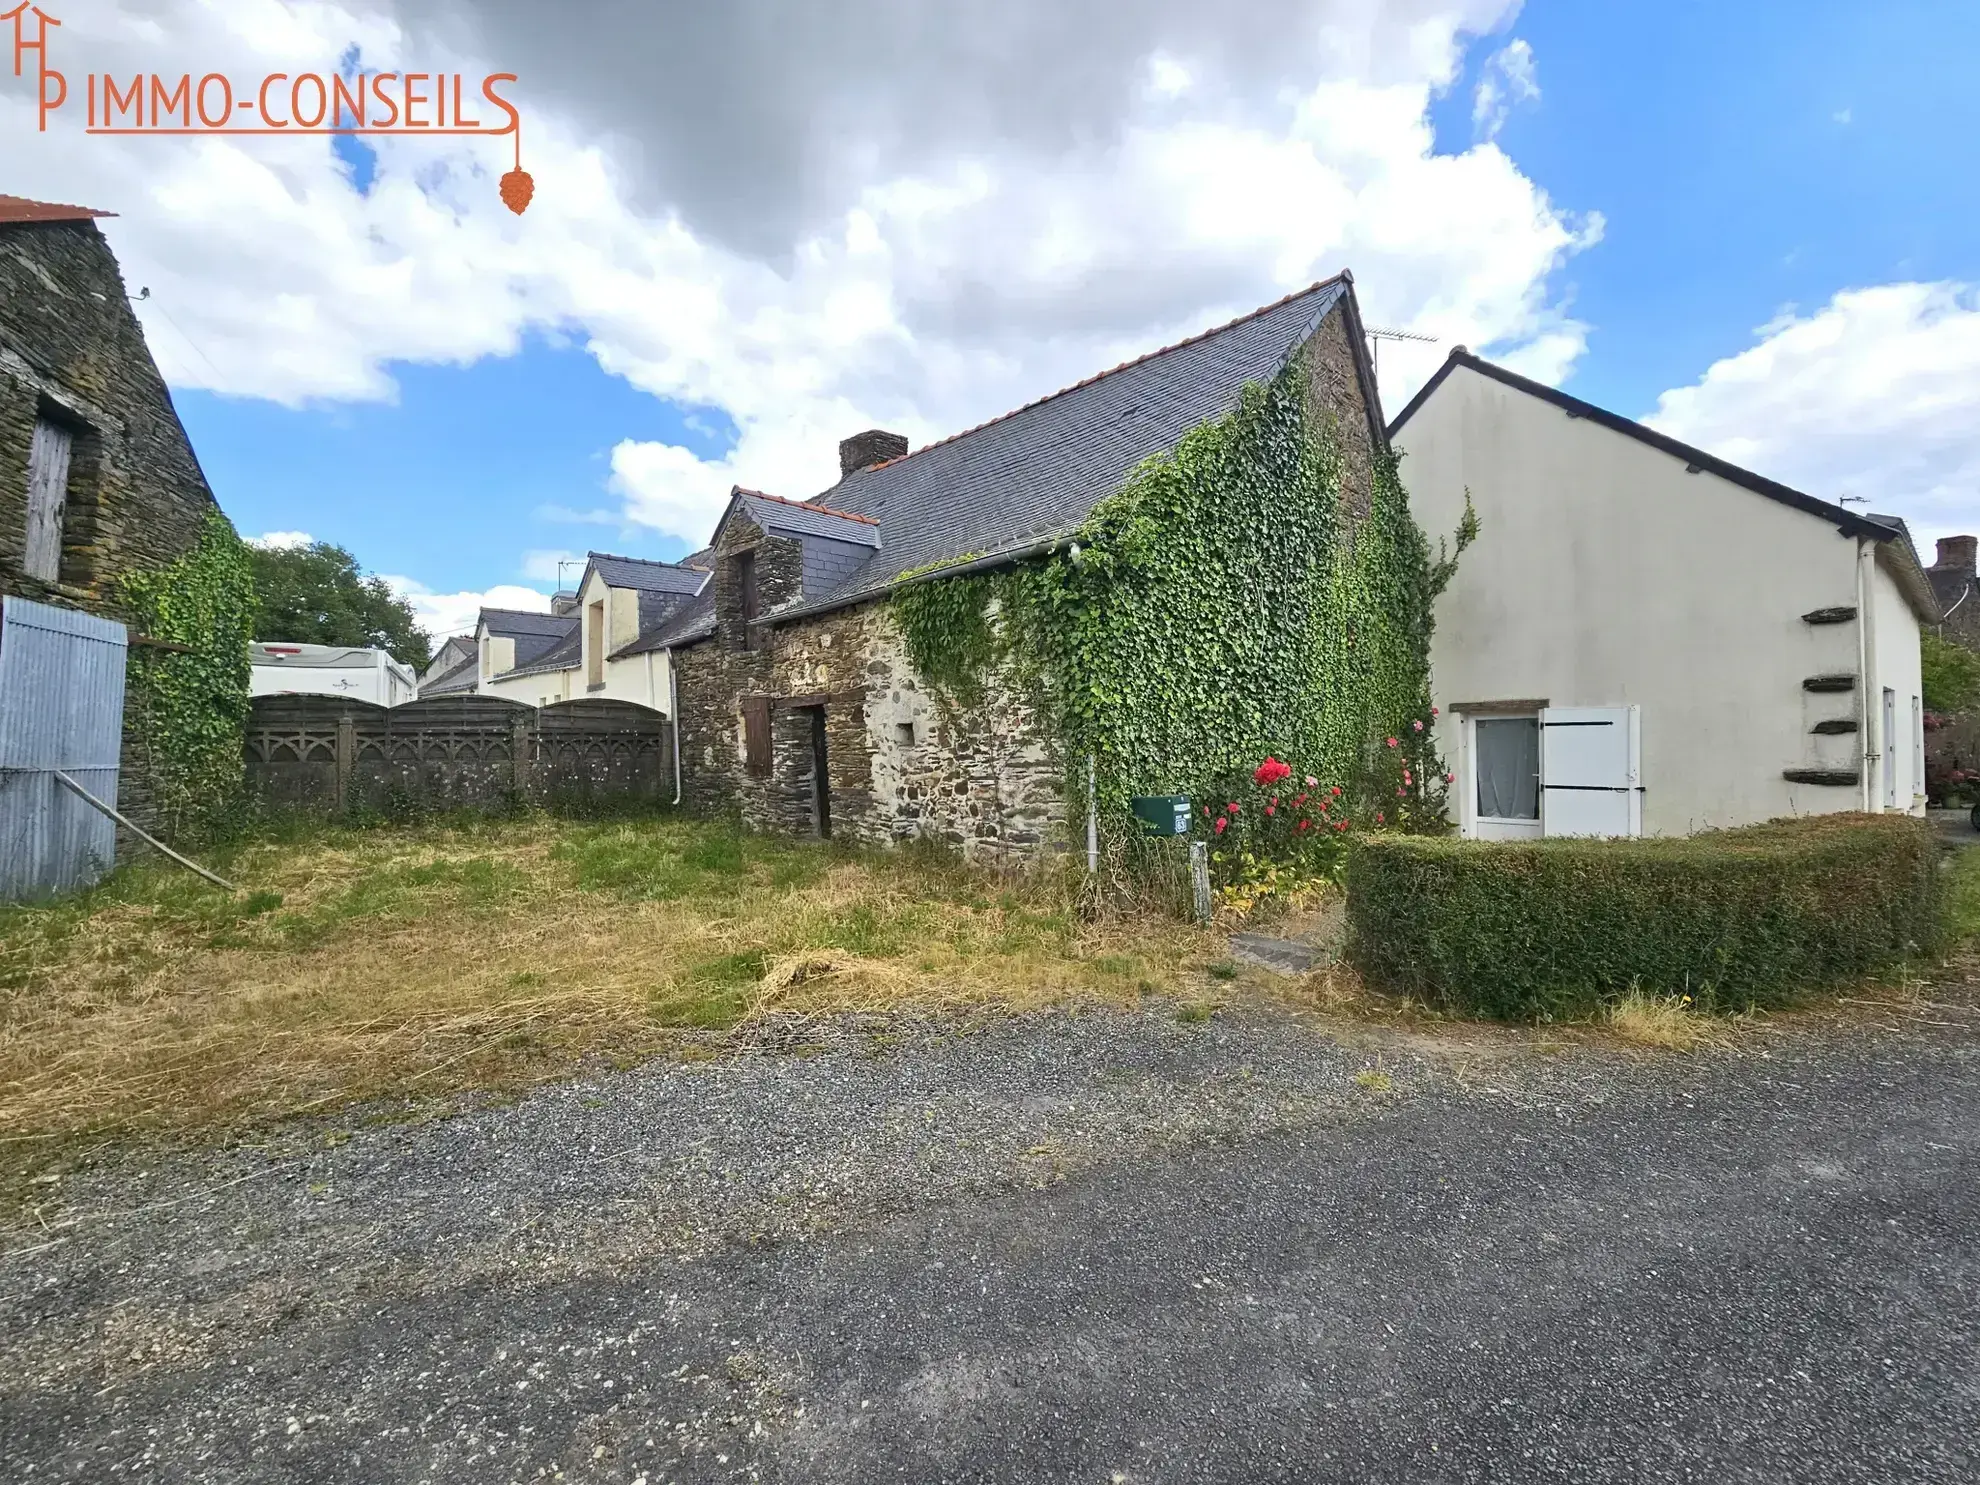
(1956,553)
(563,601)
(864,450)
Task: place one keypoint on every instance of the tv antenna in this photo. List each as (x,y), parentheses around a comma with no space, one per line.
(1376,336)
(1854,500)
(562,563)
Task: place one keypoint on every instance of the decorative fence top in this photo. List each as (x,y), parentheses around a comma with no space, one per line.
(453,751)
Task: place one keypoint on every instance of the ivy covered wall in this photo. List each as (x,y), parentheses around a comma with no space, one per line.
(1228,603)
(185,710)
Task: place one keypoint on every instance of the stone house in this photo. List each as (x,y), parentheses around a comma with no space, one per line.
(799,706)
(97,477)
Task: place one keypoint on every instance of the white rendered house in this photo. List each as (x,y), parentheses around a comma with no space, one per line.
(1645,639)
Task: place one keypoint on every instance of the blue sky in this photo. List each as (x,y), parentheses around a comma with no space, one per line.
(1747,161)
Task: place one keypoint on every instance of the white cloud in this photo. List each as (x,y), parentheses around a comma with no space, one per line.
(1509,79)
(1841,116)
(1875,394)
(281,541)
(941,288)
(554,567)
(445,614)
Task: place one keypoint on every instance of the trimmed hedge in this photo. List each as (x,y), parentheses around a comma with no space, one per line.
(1553,929)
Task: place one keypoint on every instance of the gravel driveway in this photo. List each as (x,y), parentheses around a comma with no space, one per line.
(1105,1247)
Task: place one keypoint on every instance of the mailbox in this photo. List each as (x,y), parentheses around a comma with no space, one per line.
(1161,814)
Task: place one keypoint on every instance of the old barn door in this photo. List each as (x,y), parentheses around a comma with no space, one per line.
(61,709)
(1590,779)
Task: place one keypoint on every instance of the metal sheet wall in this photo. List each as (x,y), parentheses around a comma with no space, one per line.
(61,707)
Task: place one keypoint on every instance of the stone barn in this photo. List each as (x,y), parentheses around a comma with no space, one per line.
(798,705)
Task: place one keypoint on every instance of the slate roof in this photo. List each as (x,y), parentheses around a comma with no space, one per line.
(645,576)
(694,620)
(803,518)
(563,654)
(535,634)
(1009,485)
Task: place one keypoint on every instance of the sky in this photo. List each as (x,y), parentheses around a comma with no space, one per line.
(762,226)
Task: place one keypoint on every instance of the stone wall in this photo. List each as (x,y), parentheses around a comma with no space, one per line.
(1334,389)
(70,346)
(986,782)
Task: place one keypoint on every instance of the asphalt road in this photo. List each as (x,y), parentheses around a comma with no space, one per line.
(1100,1248)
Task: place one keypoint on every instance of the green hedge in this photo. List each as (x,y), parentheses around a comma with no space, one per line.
(1551,930)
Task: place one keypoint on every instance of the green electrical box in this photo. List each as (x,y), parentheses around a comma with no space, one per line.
(1161,814)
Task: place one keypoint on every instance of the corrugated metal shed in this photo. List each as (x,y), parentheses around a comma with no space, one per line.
(61,708)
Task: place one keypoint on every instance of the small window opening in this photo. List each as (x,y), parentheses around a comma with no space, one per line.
(904,734)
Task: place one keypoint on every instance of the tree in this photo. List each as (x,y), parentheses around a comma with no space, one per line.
(317,595)
(1951,680)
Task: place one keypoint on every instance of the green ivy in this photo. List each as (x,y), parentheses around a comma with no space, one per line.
(189,710)
(1223,606)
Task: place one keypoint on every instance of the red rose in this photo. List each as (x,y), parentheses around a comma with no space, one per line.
(1231,808)
(1417,725)
(1378,817)
(1271,809)
(1304,823)
(1392,742)
(1433,711)
(1337,791)
(1219,826)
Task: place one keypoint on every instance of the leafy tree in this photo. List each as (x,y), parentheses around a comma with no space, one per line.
(1951,673)
(317,595)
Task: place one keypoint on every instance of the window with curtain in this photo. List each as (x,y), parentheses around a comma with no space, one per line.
(1508,766)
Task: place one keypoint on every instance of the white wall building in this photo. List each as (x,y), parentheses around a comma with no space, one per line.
(1646,639)
(606,639)
(329,670)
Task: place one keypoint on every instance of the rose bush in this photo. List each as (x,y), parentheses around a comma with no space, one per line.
(1268,836)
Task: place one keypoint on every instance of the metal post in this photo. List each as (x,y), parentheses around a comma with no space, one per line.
(1199,878)
(1092,815)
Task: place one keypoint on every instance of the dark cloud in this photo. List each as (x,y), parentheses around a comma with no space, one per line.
(759,119)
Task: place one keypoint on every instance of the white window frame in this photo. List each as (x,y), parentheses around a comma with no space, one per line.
(1917,749)
(1471,824)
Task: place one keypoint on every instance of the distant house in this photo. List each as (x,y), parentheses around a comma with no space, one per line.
(799,705)
(524,656)
(604,639)
(1646,639)
(454,669)
(329,670)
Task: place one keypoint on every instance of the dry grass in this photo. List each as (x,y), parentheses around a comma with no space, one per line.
(422,961)
(1666,1022)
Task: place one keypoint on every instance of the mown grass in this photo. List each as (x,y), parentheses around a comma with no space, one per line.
(422,960)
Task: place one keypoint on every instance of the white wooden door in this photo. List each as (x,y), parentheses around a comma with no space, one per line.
(1590,780)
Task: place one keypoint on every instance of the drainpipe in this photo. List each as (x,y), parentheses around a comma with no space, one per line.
(1866,553)
(674,711)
